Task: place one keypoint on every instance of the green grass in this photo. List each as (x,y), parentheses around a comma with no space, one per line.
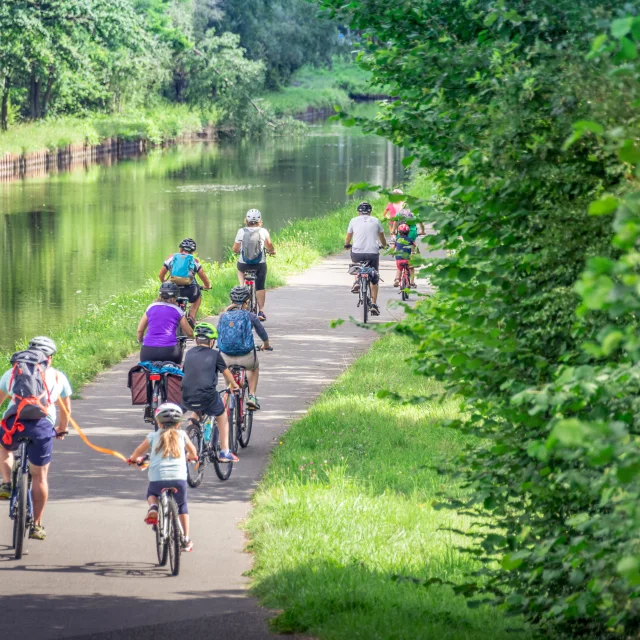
(346,506)
(320,88)
(107,334)
(156,125)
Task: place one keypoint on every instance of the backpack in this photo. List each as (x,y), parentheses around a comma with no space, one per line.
(235,333)
(29,391)
(251,248)
(182,269)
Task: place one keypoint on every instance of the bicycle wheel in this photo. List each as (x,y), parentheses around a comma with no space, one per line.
(245,422)
(21,509)
(162,548)
(195,469)
(404,285)
(234,411)
(174,541)
(365,299)
(222,469)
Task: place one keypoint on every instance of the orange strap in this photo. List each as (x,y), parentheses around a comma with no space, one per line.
(74,424)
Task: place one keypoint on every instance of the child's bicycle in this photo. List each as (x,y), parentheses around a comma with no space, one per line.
(169,533)
(405,278)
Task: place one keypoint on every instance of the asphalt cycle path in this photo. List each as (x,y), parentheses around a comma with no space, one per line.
(96,574)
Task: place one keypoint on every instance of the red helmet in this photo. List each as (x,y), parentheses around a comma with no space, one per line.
(403,229)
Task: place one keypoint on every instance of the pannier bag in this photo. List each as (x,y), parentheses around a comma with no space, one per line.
(140,385)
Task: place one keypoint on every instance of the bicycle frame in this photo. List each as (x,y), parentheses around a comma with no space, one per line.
(163,503)
(22,468)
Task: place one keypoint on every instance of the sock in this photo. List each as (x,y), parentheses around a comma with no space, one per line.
(153,507)
(224,451)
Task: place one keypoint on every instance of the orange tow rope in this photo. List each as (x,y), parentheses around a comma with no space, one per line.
(74,424)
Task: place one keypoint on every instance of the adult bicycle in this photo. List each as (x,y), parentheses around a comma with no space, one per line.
(250,281)
(158,396)
(364,272)
(205,436)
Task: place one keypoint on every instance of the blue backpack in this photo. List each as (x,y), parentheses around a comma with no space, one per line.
(183,267)
(235,333)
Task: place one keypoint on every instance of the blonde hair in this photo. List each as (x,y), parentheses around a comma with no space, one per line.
(252,224)
(169,444)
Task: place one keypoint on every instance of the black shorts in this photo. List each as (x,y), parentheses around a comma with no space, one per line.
(191,292)
(372,258)
(162,354)
(260,271)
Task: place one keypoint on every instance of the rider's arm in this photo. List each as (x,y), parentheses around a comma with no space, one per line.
(141,450)
(186,327)
(63,418)
(348,238)
(203,276)
(3,396)
(163,273)
(192,452)
(383,239)
(259,328)
(236,247)
(228,376)
(142,326)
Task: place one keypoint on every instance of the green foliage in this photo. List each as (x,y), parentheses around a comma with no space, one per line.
(344,531)
(524,116)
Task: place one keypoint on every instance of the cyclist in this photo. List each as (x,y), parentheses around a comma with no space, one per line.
(169,450)
(392,209)
(199,394)
(404,247)
(160,322)
(40,431)
(235,339)
(367,235)
(183,268)
(252,243)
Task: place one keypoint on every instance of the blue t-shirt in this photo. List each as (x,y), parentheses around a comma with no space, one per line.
(404,247)
(168,468)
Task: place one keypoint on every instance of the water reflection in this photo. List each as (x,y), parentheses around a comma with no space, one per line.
(74,239)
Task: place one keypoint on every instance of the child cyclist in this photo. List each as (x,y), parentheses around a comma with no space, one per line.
(404,247)
(168,465)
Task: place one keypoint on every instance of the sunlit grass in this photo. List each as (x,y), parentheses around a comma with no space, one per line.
(344,530)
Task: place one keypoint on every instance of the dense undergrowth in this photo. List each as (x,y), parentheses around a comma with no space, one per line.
(344,530)
(524,114)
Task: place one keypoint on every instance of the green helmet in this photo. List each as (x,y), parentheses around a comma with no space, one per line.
(205,330)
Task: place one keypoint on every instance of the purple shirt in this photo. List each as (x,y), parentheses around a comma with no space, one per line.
(163,322)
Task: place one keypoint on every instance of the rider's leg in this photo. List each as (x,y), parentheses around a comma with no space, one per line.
(412,273)
(374,293)
(398,276)
(6,464)
(240,278)
(39,490)
(184,521)
(193,310)
(252,379)
(260,297)
(223,427)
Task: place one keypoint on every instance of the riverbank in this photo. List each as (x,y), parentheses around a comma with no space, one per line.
(344,531)
(106,335)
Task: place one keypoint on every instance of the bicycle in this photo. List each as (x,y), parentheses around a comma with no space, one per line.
(158,396)
(208,451)
(184,305)
(250,281)
(364,271)
(21,502)
(405,278)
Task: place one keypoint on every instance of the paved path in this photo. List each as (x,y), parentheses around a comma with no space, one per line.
(96,572)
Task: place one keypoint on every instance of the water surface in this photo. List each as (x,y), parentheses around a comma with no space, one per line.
(72,240)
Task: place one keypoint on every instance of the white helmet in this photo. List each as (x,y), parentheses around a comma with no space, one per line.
(253,215)
(168,413)
(44,344)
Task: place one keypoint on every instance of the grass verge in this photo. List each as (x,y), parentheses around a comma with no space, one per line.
(344,528)
(157,125)
(107,334)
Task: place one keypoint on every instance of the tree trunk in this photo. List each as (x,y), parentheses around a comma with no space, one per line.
(4,105)
(34,97)
(47,93)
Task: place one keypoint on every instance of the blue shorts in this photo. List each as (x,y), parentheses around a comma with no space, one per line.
(180,496)
(40,432)
(215,408)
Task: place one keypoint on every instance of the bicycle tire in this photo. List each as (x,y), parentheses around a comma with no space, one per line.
(245,423)
(20,521)
(174,541)
(162,548)
(233,425)
(222,469)
(195,476)
(365,299)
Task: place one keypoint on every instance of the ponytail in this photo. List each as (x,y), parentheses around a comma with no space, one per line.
(169,444)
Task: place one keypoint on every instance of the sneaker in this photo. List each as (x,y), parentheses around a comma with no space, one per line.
(262,317)
(5,490)
(396,283)
(375,311)
(151,517)
(148,413)
(37,532)
(187,545)
(229,456)
(413,285)
(252,403)
(356,287)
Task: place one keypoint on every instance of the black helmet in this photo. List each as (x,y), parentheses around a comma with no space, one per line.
(168,413)
(240,294)
(169,290)
(365,208)
(188,244)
